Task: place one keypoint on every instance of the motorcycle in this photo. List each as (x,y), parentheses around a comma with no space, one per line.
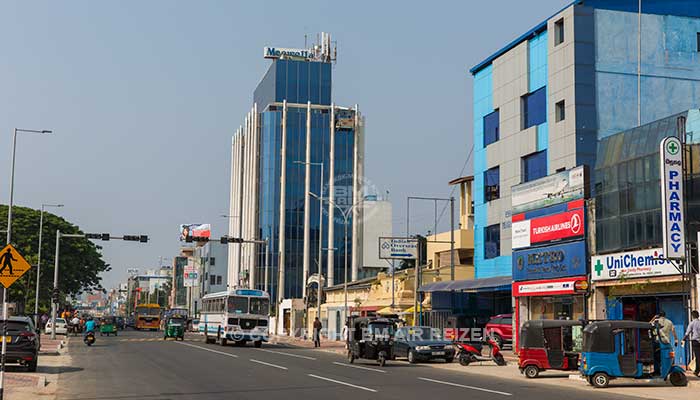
(89,338)
(468,353)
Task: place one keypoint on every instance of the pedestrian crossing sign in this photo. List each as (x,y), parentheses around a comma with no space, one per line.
(12,266)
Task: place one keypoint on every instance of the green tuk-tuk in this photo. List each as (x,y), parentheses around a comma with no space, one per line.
(108,326)
(175,327)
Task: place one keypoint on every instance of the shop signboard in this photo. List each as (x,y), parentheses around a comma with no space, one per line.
(398,248)
(565,225)
(631,264)
(549,287)
(555,261)
(553,189)
(671,154)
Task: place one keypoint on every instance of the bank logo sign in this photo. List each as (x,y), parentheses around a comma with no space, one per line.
(671,158)
(556,261)
(295,54)
(631,264)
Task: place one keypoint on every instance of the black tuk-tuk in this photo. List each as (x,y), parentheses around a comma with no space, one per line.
(371,338)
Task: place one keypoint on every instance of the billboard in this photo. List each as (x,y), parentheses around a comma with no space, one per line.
(555,261)
(549,190)
(551,287)
(194,230)
(544,229)
(631,264)
(190,276)
(671,159)
(293,54)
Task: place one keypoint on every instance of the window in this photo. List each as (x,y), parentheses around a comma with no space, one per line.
(212,279)
(560,111)
(218,279)
(491,128)
(491,184)
(492,242)
(559,32)
(698,41)
(534,166)
(212,261)
(534,107)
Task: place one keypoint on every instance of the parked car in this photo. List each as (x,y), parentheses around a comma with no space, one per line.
(22,342)
(500,328)
(61,327)
(422,343)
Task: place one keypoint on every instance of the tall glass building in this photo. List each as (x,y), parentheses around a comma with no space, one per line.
(277,153)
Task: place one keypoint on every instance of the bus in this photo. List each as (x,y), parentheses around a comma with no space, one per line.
(240,316)
(147,316)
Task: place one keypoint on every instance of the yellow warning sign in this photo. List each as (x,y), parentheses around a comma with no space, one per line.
(12,266)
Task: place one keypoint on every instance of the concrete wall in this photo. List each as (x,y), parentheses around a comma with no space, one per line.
(376,222)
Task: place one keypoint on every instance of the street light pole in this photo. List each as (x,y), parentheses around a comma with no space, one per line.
(38,263)
(55,285)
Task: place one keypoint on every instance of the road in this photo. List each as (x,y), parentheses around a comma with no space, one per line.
(140,365)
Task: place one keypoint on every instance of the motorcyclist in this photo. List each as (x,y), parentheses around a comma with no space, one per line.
(89,327)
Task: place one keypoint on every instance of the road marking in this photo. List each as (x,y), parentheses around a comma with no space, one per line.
(342,383)
(466,387)
(268,364)
(210,350)
(359,367)
(287,354)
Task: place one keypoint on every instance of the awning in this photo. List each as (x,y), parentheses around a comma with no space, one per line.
(493,284)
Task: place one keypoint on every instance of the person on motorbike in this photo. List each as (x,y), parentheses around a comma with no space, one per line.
(89,327)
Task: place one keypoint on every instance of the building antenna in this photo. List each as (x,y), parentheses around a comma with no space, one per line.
(305,45)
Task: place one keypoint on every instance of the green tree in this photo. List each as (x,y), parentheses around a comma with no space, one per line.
(80,262)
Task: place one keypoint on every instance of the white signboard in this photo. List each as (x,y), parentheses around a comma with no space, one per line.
(190,276)
(631,264)
(521,234)
(398,248)
(132,271)
(549,190)
(671,157)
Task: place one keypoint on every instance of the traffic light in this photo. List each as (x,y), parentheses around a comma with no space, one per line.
(55,295)
(93,235)
(227,239)
(105,236)
(143,238)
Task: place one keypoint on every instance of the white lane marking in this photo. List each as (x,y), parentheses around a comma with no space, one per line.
(359,367)
(342,383)
(204,348)
(268,364)
(287,354)
(466,387)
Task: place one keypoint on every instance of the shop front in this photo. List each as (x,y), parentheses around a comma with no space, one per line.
(550,282)
(637,285)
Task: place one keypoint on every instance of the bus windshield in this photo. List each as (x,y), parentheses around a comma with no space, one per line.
(237,305)
(148,311)
(260,306)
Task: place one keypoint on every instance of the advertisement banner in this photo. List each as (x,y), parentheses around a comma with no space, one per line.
(552,287)
(191,276)
(631,264)
(548,228)
(194,230)
(555,261)
(672,220)
(549,190)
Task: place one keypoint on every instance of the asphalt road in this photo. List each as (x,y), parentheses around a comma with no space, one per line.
(140,365)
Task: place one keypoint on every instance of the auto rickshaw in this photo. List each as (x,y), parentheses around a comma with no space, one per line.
(175,327)
(627,349)
(371,338)
(549,344)
(108,326)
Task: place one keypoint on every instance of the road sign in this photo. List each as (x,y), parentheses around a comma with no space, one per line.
(12,266)
(672,220)
(398,248)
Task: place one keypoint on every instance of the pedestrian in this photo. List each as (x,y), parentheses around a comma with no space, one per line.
(44,320)
(346,335)
(317,332)
(666,328)
(693,334)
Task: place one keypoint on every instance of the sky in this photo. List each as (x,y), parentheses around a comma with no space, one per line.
(143,98)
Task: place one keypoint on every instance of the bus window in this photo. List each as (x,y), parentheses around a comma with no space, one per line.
(237,305)
(260,306)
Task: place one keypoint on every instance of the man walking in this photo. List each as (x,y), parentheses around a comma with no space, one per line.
(693,334)
(666,328)
(317,332)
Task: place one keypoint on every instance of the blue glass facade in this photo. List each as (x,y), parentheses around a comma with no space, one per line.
(300,82)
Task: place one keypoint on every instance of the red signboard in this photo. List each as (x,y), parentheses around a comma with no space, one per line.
(564,225)
(549,287)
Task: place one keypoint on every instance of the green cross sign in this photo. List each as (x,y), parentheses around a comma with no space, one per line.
(672,147)
(598,267)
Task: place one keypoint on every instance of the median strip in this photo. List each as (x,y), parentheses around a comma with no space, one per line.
(359,367)
(466,387)
(342,383)
(209,350)
(287,354)
(268,364)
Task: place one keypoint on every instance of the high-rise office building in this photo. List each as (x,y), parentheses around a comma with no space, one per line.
(293,134)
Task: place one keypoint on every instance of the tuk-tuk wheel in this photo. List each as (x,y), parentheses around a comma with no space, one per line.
(600,380)
(678,379)
(531,371)
(351,357)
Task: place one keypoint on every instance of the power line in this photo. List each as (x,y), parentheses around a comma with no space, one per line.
(461,173)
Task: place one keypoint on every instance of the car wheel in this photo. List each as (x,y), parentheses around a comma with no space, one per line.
(498,339)
(678,379)
(531,371)
(381,359)
(31,367)
(449,360)
(600,380)
(412,357)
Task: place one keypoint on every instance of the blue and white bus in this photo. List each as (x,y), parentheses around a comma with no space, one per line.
(240,316)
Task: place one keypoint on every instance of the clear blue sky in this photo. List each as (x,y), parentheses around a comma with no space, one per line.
(144,96)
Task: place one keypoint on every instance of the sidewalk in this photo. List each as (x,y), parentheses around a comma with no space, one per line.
(53,358)
(334,346)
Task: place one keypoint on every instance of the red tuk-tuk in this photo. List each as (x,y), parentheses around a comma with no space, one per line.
(549,344)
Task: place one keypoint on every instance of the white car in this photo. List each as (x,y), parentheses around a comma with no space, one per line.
(61,326)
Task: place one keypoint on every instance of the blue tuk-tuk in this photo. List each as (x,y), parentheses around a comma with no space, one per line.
(627,349)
